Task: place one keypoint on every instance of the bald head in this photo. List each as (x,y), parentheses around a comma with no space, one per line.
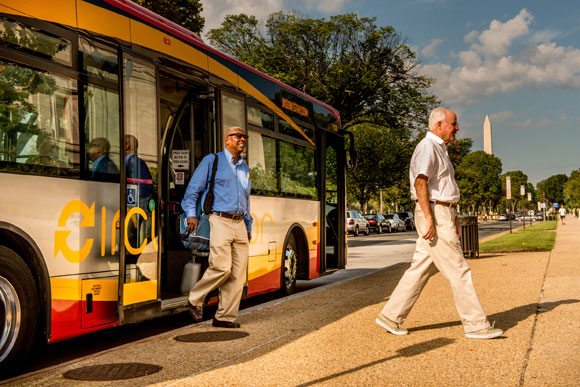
(235,141)
(443,123)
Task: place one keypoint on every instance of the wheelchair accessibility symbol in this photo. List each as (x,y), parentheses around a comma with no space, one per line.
(132,195)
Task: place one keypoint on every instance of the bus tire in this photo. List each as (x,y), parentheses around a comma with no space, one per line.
(289,266)
(18,310)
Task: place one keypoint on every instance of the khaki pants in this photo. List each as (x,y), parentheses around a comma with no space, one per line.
(228,259)
(443,253)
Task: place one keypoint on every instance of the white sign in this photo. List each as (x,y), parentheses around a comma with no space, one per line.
(508,187)
(179,178)
(529,196)
(543,206)
(180,159)
(539,206)
(522,190)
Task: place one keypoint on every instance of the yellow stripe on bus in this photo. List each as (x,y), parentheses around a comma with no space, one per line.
(74,289)
(98,19)
(147,36)
(135,292)
(57,11)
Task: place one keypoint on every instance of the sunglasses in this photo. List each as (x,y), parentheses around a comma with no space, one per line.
(238,136)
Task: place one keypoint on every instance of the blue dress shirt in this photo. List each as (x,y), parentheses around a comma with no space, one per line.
(231,189)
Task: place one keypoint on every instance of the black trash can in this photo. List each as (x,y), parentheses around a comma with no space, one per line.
(469,236)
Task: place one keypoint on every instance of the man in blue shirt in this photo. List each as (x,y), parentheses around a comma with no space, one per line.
(139,177)
(103,167)
(230,228)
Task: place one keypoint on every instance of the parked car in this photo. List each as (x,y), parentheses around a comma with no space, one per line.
(409,219)
(378,223)
(397,224)
(504,217)
(356,223)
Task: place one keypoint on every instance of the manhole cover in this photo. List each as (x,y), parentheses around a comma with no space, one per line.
(115,371)
(204,337)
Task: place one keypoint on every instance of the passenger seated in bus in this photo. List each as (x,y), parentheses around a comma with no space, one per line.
(140,192)
(47,152)
(103,167)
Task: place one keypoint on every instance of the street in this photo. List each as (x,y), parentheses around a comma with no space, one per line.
(366,254)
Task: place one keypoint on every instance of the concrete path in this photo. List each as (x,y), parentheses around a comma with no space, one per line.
(328,337)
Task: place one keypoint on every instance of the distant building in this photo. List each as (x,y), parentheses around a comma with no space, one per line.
(487,143)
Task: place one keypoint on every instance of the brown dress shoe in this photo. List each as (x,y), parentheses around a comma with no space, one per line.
(224,324)
(196,312)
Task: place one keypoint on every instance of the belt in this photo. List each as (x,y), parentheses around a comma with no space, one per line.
(452,205)
(228,215)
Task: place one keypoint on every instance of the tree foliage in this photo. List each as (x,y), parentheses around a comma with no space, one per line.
(572,190)
(553,188)
(518,178)
(365,71)
(383,161)
(478,179)
(458,150)
(186,13)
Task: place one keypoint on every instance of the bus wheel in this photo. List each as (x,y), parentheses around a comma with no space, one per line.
(289,266)
(18,309)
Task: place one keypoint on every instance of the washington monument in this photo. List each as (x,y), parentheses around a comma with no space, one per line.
(487,145)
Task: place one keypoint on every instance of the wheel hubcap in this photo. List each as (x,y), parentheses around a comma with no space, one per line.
(290,266)
(9,317)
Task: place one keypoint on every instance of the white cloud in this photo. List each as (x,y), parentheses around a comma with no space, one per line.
(497,118)
(489,68)
(470,37)
(215,11)
(527,123)
(329,7)
(431,48)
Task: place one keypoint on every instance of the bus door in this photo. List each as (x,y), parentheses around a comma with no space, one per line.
(187,117)
(139,257)
(333,251)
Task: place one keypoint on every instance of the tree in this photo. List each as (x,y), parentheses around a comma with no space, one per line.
(478,179)
(366,72)
(383,162)
(572,190)
(458,150)
(553,188)
(518,178)
(186,13)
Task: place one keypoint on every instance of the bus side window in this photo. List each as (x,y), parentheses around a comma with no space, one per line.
(39,128)
(101,111)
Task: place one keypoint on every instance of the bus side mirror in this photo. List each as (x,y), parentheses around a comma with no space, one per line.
(351,153)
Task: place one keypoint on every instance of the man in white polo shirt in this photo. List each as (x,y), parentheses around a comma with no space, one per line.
(438,247)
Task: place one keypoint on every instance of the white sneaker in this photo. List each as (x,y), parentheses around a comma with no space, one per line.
(487,333)
(391,326)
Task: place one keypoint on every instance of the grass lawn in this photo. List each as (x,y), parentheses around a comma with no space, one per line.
(539,237)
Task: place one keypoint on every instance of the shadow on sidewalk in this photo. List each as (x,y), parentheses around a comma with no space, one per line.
(412,350)
(509,318)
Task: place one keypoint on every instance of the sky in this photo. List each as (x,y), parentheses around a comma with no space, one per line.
(516,61)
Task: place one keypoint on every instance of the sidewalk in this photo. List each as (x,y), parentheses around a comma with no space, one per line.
(329,337)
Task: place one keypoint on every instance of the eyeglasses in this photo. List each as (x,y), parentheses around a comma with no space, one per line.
(455,124)
(238,136)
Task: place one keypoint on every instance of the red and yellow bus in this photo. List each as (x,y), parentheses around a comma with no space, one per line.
(106,109)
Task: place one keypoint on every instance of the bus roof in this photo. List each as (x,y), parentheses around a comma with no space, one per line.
(184,34)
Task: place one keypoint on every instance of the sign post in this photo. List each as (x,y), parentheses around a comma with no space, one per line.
(523,194)
(508,194)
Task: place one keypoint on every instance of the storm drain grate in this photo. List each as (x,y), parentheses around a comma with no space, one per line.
(205,337)
(114,371)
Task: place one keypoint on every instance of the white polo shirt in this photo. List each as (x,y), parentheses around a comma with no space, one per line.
(431,159)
